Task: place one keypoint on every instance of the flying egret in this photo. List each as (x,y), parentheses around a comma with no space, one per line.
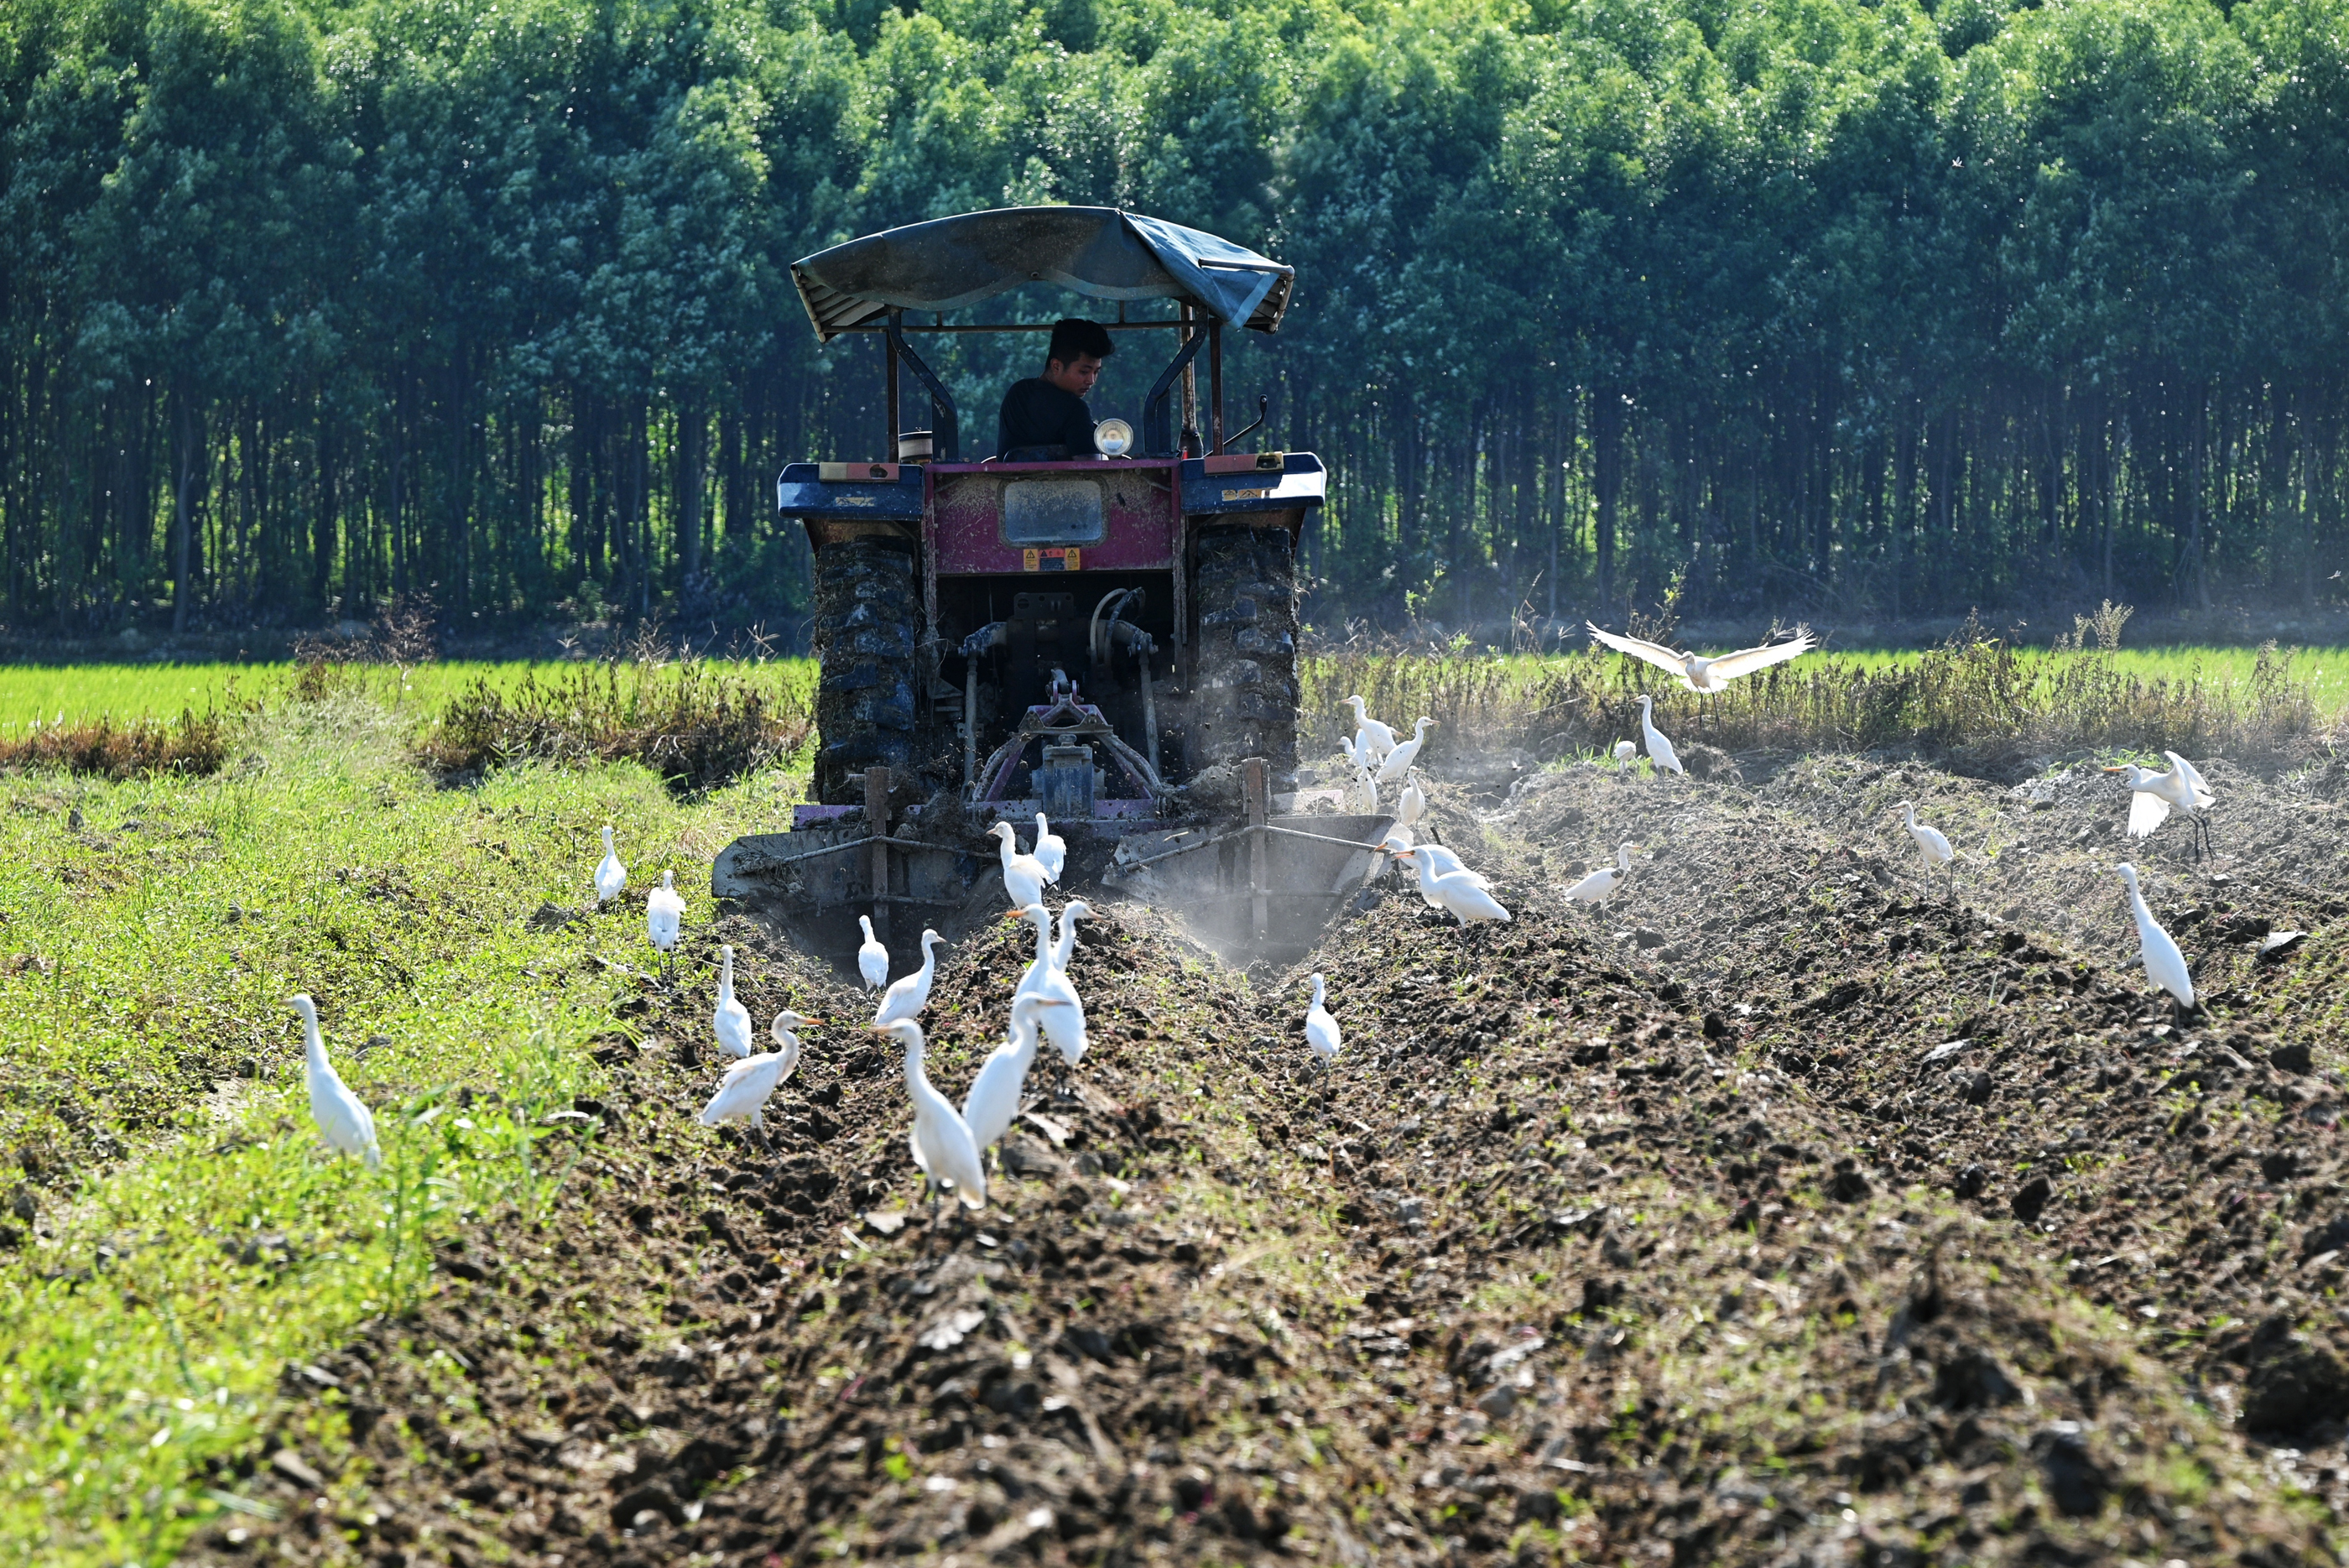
(1932,844)
(611,877)
(1709,674)
(1414,804)
(1048,976)
(1463,895)
(2163,962)
(1625,754)
(941,1139)
(993,1103)
(1660,750)
(906,998)
(665,916)
(1398,761)
(343,1121)
(1321,1029)
(2153,793)
(1369,731)
(732,1019)
(1023,875)
(1052,850)
(1603,884)
(743,1093)
(872,958)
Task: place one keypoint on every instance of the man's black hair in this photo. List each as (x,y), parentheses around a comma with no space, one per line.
(1073,336)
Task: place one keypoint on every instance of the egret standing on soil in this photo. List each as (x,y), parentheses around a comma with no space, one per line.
(872,958)
(611,877)
(1601,884)
(1052,850)
(993,1103)
(1398,761)
(732,1019)
(2163,962)
(906,998)
(2152,795)
(665,916)
(1048,976)
(1625,754)
(1708,674)
(1321,1029)
(1369,733)
(1660,750)
(1932,845)
(1414,804)
(343,1121)
(941,1139)
(1023,875)
(1461,894)
(743,1093)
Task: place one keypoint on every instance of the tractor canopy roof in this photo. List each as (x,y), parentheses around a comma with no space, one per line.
(1102,252)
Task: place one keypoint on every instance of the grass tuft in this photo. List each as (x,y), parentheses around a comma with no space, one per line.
(699,725)
(195,745)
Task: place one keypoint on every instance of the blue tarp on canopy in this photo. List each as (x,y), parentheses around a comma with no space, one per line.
(1100,252)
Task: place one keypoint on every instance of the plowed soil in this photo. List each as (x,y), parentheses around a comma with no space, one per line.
(1782,1210)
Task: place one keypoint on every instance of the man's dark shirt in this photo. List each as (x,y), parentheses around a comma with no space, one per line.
(1037,413)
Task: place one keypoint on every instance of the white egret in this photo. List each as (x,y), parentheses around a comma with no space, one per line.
(343,1121)
(732,1019)
(906,998)
(611,877)
(1398,761)
(1048,976)
(1625,754)
(1052,850)
(1709,674)
(1398,837)
(2163,962)
(1369,731)
(993,1103)
(1463,895)
(665,915)
(1430,861)
(1660,750)
(1603,884)
(743,1093)
(1023,875)
(2153,793)
(1357,751)
(1361,796)
(1933,844)
(872,958)
(1414,804)
(941,1139)
(1321,1029)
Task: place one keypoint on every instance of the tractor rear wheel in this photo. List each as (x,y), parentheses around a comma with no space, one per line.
(1245,587)
(866,627)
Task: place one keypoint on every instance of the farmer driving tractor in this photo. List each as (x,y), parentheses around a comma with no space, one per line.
(1045,418)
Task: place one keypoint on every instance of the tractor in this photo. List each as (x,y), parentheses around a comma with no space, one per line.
(1108,638)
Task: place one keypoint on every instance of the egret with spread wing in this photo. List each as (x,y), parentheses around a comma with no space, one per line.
(2153,793)
(1709,674)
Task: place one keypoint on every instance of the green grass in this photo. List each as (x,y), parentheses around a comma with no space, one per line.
(193,1238)
(161,691)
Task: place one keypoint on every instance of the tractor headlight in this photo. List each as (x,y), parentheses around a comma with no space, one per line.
(1113,437)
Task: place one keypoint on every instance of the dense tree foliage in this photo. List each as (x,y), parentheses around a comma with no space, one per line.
(1856,307)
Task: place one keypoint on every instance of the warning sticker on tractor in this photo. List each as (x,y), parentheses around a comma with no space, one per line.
(1246,495)
(1059,558)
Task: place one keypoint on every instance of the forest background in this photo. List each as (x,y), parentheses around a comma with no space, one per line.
(1819,307)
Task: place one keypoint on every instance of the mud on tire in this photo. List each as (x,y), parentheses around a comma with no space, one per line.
(864,635)
(1245,704)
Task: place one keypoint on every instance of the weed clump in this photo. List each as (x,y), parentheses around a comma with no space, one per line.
(195,745)
(699,727)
